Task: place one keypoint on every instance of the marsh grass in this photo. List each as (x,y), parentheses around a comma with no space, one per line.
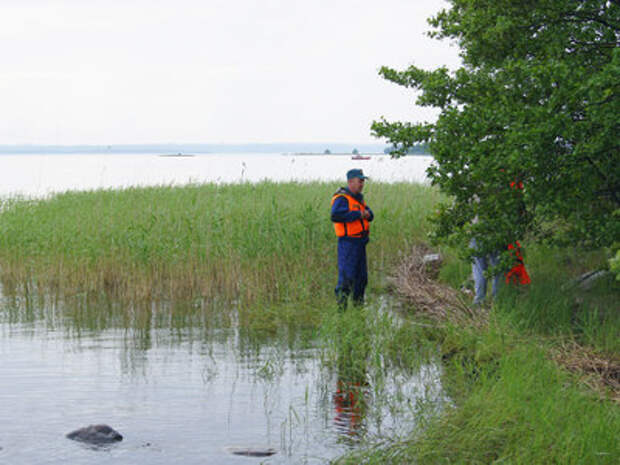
(511,403)
(384,369)
(362,346)
(521,410)
(250,246)
(362,343)
(536,384)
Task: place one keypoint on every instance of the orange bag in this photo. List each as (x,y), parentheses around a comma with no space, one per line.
(518,273)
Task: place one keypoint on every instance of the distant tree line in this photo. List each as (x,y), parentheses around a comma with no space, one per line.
(415,149)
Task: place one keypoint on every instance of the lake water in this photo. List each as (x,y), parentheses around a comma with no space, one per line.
(39,175)
(184,390)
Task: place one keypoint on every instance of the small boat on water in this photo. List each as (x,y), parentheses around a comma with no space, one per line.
(360,157)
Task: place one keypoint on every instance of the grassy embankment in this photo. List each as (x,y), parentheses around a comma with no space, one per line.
(269,250)
(515,399)
(537,384)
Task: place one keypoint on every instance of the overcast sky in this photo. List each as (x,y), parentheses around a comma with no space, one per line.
(208,71)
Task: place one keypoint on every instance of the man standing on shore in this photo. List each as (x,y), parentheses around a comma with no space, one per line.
(351,217)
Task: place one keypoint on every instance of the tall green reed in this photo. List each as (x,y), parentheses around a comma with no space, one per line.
(247,244)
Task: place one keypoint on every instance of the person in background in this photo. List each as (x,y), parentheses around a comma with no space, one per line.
(351,217)
(517,275)
(480,264)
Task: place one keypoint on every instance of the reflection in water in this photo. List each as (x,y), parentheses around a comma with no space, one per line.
(349,407)
(183,377)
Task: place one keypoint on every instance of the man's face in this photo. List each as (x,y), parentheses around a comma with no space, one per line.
(356,185)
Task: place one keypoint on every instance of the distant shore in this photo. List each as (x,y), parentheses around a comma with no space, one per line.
(293,147)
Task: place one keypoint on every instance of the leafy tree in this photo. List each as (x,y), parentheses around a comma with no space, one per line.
(327,152)
(614,265)
(355,152)
(536,101)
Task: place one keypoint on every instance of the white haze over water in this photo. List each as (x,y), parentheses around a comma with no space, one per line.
(41,175)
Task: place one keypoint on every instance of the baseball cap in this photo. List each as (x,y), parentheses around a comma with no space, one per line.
(356,173)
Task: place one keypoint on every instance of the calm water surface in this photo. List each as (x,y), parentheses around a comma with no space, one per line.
(37,175)
(183,394)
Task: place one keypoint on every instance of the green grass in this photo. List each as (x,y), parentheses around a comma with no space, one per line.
(511,402)
(254,246)
(365,342)
(552,306)
(517,408)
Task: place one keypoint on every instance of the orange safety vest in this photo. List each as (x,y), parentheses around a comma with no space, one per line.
(355,228)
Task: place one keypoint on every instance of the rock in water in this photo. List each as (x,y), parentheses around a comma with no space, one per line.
(96,434)
(252,451)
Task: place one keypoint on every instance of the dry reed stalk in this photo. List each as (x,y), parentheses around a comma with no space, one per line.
(134,283)
(599,373)
(414,283)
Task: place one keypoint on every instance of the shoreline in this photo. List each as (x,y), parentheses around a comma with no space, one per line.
(231,242)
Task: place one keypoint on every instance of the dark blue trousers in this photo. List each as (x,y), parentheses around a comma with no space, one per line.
(352,270)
